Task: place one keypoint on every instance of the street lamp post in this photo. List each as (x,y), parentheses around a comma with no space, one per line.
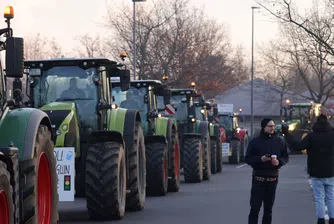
(134,38)
(252,77)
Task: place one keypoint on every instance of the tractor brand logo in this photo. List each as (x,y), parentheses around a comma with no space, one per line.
(169,109)
(67,183)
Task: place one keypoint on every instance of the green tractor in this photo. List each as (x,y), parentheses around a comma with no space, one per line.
(203,113)
(299,117)
(161,136)
(28,178)
(108,142)
(194,136)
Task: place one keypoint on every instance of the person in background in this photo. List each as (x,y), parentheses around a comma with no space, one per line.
(319,144)
(266,154)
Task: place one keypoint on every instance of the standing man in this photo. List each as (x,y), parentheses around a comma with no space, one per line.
(319,145)
(266,153)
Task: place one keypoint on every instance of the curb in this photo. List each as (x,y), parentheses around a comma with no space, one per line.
(326,209)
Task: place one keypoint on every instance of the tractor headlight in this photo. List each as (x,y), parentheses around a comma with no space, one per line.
(238,130)
(58,132)
(193,120)
(64,127)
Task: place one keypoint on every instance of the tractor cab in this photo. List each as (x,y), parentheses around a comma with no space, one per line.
(75,93)
(184,102)
(143,96)
(305,112)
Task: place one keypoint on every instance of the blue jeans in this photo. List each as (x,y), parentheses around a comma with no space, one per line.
(323,191)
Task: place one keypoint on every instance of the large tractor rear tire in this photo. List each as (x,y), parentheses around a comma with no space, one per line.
(213,157)
(235,157)
(40,197)
(106,181)
(175,161)
(157,169)
(6,196)
(219,156)
(193,160)
(207,157)
(135,199)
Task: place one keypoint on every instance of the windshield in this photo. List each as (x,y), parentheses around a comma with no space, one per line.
(226,122)
(300,112)
(69,83)
(131,99)
(181,112)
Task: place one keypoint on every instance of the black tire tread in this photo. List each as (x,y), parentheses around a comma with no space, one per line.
(102,181)
(213,157)
(29,169)
(135,200)
(192,160)
(156,154)
(174,181)
(8,189)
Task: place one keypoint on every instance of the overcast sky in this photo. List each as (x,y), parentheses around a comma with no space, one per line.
(65,19)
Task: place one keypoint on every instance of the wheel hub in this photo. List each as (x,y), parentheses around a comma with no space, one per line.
(4,216)
(44,189)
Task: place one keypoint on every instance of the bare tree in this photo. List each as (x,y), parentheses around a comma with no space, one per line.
(89,46)
(303,53)
(40,47)
(178,41)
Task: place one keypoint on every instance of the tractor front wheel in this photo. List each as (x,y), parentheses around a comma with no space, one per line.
(135,199)
(207,157)
(40,197)
(175,161)
(213,157)
(193,160)
(6,199)
(157,169)
(106,181)
(235,157)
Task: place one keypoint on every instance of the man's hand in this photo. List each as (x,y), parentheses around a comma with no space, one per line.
(274,162)
(265,159)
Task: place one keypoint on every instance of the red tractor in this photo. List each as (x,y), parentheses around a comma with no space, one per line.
(231,132)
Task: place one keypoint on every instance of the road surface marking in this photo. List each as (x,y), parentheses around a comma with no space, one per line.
(241,166)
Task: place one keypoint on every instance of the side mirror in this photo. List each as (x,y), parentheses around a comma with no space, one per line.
(124,79)
(14,57)
(167,96)
(202,101)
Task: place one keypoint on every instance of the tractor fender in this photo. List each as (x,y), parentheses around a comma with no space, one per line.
(161,126)
(212,130)
(20,127)
(106,136)
(117,119)
(204,128)
(155,138)
(131,118)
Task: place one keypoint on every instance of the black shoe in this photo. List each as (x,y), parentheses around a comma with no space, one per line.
(321,221)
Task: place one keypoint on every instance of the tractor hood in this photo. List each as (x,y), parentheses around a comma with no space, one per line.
(59,106)
(60,114)
(292,125)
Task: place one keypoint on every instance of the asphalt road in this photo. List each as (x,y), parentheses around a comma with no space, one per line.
(223,199)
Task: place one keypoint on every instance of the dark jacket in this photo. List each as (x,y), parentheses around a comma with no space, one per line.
(320,149)
(262,145)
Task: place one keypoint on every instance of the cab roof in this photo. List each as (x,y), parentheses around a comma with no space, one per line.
(140,82)
(183,91)
(92,62)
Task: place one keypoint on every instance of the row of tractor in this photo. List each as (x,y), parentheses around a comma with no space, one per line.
(81,128)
